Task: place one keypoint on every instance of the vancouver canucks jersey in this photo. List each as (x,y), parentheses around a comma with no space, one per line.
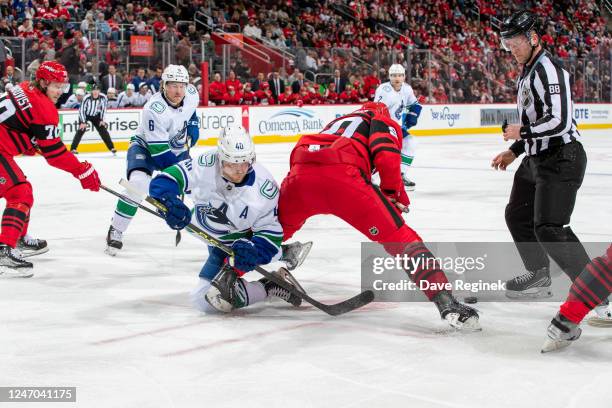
(163,127)
(396,101)
(230,211)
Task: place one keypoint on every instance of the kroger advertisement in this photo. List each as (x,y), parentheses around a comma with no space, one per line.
(286,123)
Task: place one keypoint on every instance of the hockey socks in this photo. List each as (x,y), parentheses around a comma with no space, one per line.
(589,289)
(125,211)
(424,270)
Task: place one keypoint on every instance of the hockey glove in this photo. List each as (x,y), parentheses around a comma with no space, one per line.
(245,255)
(398,198)
(178,215)
(88,176)
(410,117)
(193,129)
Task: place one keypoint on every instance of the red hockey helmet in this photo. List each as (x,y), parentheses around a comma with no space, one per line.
(52,71)
(377,108)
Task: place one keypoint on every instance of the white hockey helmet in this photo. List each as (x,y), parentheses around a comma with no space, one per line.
(235,145)
(396,69)
(175,73)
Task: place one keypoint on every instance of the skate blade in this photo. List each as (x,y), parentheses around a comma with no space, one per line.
(288,277)
(299,257)
(553,345)
(409,188)
(472,324)
(533,293)
(26,253)
(111,251)
(8,273)
(599,322)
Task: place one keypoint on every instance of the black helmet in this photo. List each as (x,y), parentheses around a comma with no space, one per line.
(520,22)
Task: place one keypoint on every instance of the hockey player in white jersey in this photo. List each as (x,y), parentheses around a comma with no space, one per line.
(404,109)
(168,125)
(236,201)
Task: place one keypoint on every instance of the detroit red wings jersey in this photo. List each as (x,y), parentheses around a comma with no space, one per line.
(28,123)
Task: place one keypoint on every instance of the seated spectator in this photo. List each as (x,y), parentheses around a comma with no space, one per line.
(11,76)
(74,100)
(231,97)
(251,30)
(248,96)
(154,82)
(264,95)
(330,95)
(233,81)
(143,95)
(216,90)
(349,95)
(139,78)
(113,101)
(127,98)
(287,97)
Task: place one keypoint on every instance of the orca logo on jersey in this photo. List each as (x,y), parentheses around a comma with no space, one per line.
(211,218)
(398,111)
(179,140)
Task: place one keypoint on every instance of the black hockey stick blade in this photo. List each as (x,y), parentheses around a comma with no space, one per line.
(337,309)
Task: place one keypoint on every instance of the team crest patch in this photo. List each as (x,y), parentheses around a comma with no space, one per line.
(269,190)
(373,231)
(526,97)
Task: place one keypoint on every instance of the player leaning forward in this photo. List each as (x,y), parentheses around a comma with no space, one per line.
(235,201)
(330,173)
(167,121)
(28,125)
(405,109)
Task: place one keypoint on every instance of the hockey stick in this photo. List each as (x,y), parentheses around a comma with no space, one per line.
(346,306)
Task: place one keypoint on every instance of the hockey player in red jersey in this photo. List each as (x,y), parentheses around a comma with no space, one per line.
(330,173)
(590,290)
(28,125)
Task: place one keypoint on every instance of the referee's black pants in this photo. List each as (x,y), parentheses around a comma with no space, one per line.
(541,204)
(102,131)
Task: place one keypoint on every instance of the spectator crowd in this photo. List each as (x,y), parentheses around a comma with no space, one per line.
(336,51)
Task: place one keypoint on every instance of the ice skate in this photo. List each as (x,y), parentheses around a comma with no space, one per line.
(113,241)
(275,290)
(408,184)
(561,333)
(225,293)
(294,254)
(29,246)
(603,317)
(12,264)
(458,315)
(531,285)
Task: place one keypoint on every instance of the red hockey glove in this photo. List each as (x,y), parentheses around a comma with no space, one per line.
(88,176)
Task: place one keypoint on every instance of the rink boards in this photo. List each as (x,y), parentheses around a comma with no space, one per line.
(274,124)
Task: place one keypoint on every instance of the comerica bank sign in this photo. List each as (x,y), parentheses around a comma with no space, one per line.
(297,121)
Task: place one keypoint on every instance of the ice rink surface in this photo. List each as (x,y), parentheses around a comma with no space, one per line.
(123,332)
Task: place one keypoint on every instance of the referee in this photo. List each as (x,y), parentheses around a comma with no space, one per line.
(545,184)
(92,110)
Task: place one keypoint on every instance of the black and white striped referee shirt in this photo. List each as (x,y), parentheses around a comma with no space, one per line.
(545,107)
(91,107)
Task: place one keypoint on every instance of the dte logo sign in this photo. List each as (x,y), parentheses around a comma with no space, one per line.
(581,113)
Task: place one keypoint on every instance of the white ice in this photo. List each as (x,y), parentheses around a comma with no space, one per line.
(122,331)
